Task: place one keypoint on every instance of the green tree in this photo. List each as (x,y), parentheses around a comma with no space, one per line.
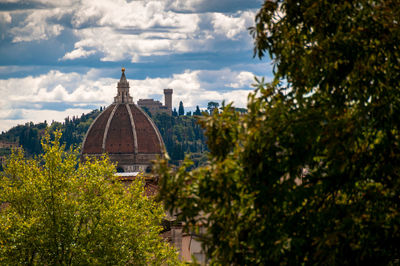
(174,112)
(181,110)
(310,175)
(58,210)
(241,110)
(197,112)
(147,111)
(182,135)
(211,106)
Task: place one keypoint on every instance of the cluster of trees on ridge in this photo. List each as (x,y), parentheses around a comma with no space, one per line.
(29,136)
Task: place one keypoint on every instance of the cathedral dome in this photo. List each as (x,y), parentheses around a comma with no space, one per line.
(125,132)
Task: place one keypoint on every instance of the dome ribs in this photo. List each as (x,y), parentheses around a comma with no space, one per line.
(125,132)
(94,138)
(133,129)
(147,139)
(120,138)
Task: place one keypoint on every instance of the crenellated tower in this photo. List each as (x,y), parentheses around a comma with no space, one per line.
(168,99)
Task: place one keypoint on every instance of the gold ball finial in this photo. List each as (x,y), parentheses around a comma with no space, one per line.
(123,69)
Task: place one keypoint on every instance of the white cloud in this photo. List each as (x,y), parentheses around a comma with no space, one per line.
(184,5)
(54,86)
(117,29)
(77,53)
(137,15)
(243,79)
(36,25)
(135,30)
(48,2)
(115,45)
(232,26)
(212,5)
(5,17)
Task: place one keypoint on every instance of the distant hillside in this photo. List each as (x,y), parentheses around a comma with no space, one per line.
(181,134)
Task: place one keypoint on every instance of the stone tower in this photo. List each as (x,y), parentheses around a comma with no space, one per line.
(168,99)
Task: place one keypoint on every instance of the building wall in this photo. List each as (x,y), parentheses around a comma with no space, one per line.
(150,104)
(130,162)
(156,107)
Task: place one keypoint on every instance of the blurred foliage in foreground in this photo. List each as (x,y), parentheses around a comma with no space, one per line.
(310,175)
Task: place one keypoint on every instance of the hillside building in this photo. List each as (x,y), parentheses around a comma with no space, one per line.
(156,107)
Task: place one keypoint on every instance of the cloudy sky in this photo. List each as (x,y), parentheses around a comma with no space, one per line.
(61,58)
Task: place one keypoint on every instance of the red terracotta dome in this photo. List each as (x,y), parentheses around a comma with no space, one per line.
(125,132)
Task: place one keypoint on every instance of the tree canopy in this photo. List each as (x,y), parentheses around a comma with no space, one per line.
(182,135)
(29,135)
(211,106)
(181,110)
(58,210)
(197,111)
(310,175)
(174,112)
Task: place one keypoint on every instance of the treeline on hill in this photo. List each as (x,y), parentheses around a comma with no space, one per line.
(181,134)
(29,135)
